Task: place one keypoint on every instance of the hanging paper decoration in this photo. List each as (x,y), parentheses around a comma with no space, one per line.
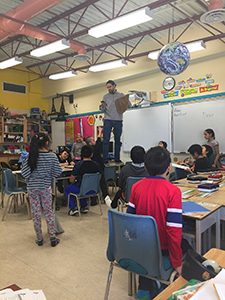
(91,120)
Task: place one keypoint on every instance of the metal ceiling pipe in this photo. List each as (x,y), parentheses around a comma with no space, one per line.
(23,12)
(26,11)
(215,4)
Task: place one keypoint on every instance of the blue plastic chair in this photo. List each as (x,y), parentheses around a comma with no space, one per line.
(90,187)
(129,184)
(13,193)
(110,175)
(135,247)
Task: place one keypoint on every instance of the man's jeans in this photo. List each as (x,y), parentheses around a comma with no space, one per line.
(117,129)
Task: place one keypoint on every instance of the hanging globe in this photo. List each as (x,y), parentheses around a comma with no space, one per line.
(173,58)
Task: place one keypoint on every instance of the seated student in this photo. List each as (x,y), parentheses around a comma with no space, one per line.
(96,146)
(64,160)
(77,146)
(207,152)
(155,196)
(86,165)
(135,169)
(201,162)
(162,144)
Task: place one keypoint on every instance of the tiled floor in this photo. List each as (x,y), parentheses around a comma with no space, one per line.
(76,269)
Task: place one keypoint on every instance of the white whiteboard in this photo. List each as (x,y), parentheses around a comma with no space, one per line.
(147,126)
(191,119)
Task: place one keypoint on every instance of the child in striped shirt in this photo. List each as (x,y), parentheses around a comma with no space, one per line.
(39,169)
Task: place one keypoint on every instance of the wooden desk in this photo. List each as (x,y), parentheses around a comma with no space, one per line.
(214,254)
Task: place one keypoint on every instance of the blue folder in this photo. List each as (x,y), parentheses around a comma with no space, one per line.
(192,207)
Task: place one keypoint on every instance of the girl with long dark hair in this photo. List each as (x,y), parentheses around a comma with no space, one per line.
(39,169)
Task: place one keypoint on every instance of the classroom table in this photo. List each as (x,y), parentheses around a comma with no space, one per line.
(64,169)
(214,254)
(204,221)
(212,200)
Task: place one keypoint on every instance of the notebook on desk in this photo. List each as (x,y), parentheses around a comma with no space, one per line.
(192,207)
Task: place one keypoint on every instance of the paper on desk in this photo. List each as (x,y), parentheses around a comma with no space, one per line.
(24,294)
(38,295)
(27,294)
(8,294)
(208,291)
(192,207)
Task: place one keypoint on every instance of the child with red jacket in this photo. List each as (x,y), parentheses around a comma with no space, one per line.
(156,197)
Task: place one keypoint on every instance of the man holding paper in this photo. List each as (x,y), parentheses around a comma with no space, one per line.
(113,104)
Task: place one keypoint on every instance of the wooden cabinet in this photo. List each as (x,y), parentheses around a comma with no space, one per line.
(35,126)
(13,130)
(20,131)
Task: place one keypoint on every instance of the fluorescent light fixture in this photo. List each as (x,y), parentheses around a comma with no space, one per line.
(195,46)
(11,62)
(63,75)
(153,55)
(192,47)
(51,48)
(131,19)
(108,65)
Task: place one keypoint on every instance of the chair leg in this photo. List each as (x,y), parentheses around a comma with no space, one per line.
(78,205)
(108,281)
(3,195)
(99,202)
(7,207)
(130,282)
(134,285)
(172,276)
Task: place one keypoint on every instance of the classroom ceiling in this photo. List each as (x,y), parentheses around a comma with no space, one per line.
(22,30)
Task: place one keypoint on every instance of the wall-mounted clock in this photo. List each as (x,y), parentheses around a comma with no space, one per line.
(169,83)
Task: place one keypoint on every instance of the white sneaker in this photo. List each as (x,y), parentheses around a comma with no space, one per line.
(108,201)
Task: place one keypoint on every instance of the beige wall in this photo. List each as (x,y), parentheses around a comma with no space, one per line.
(89,100)
(144,74)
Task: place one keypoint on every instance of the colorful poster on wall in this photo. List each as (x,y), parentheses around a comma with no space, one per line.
(208,88)
(69,132)
(82,125)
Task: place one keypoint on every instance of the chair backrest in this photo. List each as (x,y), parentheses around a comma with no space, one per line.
(129,184)
(90,183)
(14,164)
(8,181)
(134,244)
(180,173)
(4,165)
(110,173)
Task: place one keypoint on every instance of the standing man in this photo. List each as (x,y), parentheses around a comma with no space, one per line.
(112,119)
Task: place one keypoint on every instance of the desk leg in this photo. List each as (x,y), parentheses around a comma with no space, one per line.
(218,229)
(198,237)
(130,281)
